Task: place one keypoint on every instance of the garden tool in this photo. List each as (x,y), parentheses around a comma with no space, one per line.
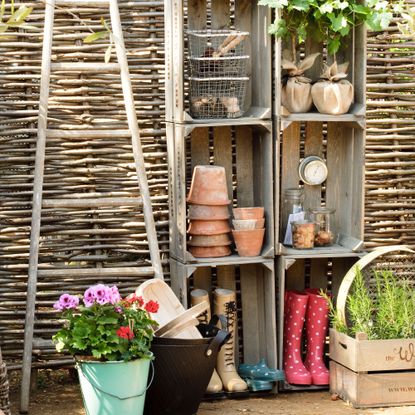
(260,371)
(294,317)
(316,329)
(197,296)
(225,304)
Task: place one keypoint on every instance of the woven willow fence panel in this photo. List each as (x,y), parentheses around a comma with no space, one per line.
(390,150)
(85,237)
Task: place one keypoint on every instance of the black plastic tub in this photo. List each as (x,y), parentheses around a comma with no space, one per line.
(182,370)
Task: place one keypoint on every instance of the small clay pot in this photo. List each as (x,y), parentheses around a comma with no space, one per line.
(210,251)
(209,186)
(210,240)
(208,227)
(206,212)
(248,224)
(249,243)
(248,213)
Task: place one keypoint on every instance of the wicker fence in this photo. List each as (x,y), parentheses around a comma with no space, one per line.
(101,238)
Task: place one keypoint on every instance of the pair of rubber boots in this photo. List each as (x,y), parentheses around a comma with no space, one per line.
(259,376)
(311,309)
(225,377)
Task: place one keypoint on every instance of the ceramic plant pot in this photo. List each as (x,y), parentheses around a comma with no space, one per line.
(209,251)
(248,224)
(209,186)
(206,212)
(208,227)
(249,242)
(248,213)
(210,240)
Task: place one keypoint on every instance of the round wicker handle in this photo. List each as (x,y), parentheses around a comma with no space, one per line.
(350,276)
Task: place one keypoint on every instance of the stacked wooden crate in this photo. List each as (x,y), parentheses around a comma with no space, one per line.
(340,141)
(244,146)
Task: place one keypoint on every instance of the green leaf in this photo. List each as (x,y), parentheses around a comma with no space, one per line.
(333,46)
(20,15)
(326,8)
(95,36)
(3,27)
(337,22)
(274,4)
(108,54)
(300,5)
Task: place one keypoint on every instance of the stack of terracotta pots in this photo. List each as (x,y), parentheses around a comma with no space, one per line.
(249,224)
(208,201)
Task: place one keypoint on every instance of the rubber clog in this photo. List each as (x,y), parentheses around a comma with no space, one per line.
(260,371)
(256,385)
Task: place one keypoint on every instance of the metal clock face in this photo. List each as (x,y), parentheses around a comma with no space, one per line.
(313,170)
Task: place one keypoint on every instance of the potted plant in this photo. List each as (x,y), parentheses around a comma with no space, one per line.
(329,22)
(110,338)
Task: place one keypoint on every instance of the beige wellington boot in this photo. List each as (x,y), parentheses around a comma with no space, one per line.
(196,297)
(225,304)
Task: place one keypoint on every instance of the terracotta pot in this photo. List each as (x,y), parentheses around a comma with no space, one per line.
(208,227)
(209,186)
(209,251)
(248,224)
(206,212)
(248,213)
(249,243)
(210,240)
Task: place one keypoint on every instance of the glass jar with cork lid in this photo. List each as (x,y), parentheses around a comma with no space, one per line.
(323,218)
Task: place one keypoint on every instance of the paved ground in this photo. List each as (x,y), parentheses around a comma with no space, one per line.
(57,395)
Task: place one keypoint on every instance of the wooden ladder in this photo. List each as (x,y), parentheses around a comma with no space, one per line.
(78,201)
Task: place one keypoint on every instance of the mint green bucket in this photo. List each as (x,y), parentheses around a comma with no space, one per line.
(112,388)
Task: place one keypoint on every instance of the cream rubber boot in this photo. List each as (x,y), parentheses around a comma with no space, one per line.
(196,297)
(225,304)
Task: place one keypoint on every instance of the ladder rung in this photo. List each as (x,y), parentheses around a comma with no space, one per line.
(81,2)
(86,67)
(92,202)
(88,133)
(98,272)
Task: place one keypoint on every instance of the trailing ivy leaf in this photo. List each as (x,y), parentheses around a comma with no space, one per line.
(337,22)
(300,5)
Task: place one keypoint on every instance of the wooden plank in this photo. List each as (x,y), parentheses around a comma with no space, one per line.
(222,154)
(269,347)
(281,265)
(177,66)
(199,147)
(243,15)
(98,272)
(68,134)
(226,277)
(294,276)
(37,205)
(179,281)
(135,139)
(244,167)
(83,3)
(250,291)
(97,202)
(169,52)
(220,14)
(313,146)
(367,390)
(318,273)
(358,184)
(339,191)
(85,67)
(340,266)
(196,14)
(202,278)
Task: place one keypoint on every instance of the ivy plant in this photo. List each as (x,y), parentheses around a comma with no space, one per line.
(327,20)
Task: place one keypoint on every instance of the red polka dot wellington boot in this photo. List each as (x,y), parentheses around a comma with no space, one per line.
(316,329)
(294,316)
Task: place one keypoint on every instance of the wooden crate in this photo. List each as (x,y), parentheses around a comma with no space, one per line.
(372,373)
(246,153)
(294,272)
(257,298)
(244,15)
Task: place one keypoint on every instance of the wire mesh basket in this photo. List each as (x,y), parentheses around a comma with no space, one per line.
(226,67)
(217,97)
(216,43)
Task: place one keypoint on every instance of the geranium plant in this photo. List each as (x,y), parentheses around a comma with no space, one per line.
(328,20)
(103,326)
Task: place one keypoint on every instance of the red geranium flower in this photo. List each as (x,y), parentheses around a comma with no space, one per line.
(135,299)
(125,333)
(152,306)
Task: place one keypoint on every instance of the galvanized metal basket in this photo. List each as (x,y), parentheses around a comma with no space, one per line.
(218,73)
(217,97)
